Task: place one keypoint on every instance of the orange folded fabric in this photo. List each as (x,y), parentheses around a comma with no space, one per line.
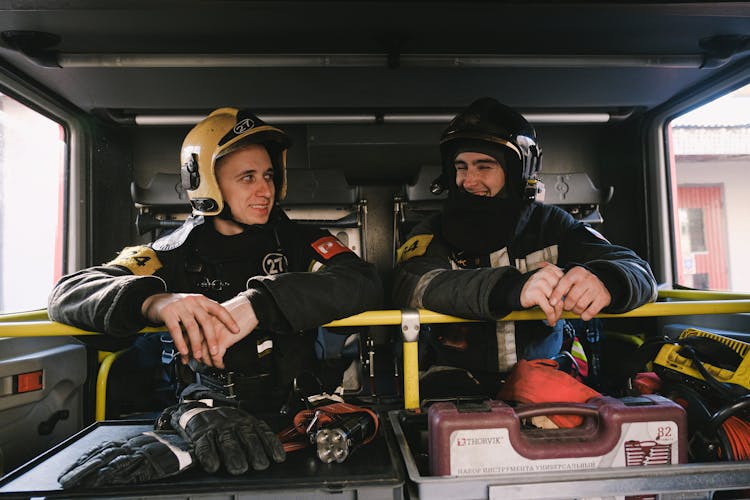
(539,381)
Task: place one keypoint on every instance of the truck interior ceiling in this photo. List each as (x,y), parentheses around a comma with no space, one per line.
(641,110)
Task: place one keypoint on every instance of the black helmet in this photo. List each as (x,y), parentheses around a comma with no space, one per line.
(493,128)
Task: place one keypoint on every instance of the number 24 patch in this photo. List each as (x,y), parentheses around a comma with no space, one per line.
(141,260)
(414,247)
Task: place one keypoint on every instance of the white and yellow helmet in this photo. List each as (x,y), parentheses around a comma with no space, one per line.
(223,131)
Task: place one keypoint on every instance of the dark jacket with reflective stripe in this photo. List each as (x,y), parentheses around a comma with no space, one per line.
(545,232)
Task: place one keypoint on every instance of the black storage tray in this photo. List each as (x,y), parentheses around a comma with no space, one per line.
(373,471)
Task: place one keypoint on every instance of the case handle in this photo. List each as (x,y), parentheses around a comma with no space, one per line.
(541,409)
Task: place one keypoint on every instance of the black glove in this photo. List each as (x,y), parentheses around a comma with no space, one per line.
(226,435)
(141,458)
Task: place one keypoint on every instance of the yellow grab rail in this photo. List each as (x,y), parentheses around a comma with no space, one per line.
(36,315)
(393,317)
(101,384)
(701,295)
(38,328)
(50,329)
(31,324)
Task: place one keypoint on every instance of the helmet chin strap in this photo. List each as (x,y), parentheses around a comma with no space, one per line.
(226,214)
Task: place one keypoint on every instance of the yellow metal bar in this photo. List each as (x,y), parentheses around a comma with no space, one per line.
(683,308)
(50,329)
(411,375)
(369,318)
(101,384)
(393,317)
(702,295)
(411,324)
(39,328)
(36,315)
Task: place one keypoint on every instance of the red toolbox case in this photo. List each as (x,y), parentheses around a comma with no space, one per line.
(489,438)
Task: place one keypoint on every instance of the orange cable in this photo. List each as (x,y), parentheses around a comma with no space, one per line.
(738,435)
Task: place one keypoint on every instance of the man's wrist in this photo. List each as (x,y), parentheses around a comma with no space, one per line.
(140,291)
(146,305)
(243,312)
(150,307)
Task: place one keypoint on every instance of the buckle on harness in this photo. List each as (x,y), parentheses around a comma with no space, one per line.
(222,382)
(168,351)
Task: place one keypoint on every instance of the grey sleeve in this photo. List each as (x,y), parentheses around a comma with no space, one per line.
(103,299)
(427,281)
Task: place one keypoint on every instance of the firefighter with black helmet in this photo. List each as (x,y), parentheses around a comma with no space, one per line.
(241,289)
(495,248)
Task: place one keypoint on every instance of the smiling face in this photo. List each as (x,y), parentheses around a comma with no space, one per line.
(479,174)
(245,179)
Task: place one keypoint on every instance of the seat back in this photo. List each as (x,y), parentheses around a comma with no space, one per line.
(573,192)
(415,202)
(162,204)
(576,194)
(320,197)
(323,198)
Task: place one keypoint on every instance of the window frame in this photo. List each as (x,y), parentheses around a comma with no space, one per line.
(658,155)
(74,244)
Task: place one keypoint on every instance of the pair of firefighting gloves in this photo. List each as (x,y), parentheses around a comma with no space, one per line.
(205,427)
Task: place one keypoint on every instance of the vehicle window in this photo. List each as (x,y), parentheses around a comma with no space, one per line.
(710,149)
(32,159)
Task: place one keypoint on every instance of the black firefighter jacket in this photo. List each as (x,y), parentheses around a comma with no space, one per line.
(431,274)
(270,264)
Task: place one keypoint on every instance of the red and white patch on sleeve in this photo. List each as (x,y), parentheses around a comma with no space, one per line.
(328,246)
